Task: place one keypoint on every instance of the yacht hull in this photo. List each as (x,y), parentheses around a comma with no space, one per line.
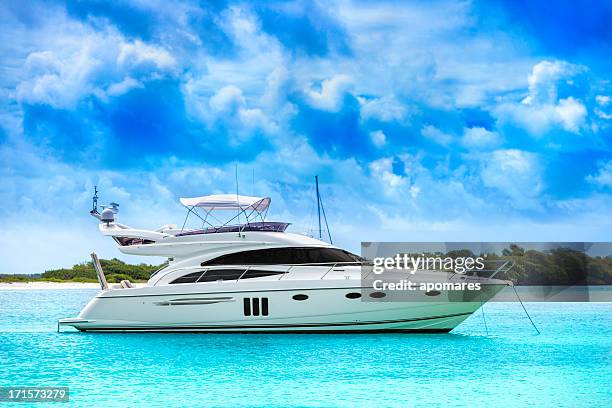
(325,309)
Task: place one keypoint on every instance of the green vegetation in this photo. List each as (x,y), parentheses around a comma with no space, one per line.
(559,266)
(114,269)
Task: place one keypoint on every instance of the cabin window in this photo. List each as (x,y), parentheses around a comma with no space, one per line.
(253,273)
(127,241)
(353,295)
(189,278)
(213,275)
(286,256)
(377,295)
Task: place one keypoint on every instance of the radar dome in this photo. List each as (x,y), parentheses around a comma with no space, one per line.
(107,215)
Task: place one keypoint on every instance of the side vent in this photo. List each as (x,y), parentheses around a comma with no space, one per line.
(251,306)
(247,306)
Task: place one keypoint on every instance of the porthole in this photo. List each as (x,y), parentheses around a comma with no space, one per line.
(377,295)
(433,293)
(300,297)
(353,295)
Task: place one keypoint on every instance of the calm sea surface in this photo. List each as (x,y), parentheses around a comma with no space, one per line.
(569,364)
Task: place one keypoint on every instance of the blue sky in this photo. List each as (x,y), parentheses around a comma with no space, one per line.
(437,120)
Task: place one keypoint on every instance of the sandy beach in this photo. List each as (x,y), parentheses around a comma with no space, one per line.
(54,285)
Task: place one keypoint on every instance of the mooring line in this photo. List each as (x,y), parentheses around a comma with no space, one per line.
(483,314)
(527,313)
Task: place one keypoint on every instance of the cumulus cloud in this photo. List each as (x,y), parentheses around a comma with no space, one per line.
(544,79)
(119,88)
(100,64)
(602,101)
(515,174)
(229,105)
(140,56)
(385,109)
(603,177)
(479,137)
(436,135)
(227,99)
(382,170)
(330,95)
(378,138)
(542,109)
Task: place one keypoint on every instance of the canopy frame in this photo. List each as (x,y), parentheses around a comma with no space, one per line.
(251,212)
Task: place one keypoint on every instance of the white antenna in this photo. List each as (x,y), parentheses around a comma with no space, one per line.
(237,196)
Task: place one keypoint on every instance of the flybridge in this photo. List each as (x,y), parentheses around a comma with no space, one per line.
(253,209)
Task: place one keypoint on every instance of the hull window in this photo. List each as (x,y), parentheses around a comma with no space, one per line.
(247,306)
(300,297)
(377,295)
(353,295)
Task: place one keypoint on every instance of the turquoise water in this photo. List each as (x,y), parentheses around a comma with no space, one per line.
(569,364)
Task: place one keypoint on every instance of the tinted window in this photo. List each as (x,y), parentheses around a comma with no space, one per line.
(189,278)
(377,295)
(274,256)
(252,273)
(221,274)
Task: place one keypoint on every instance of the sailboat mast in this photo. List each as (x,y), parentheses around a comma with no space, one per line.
(318,204)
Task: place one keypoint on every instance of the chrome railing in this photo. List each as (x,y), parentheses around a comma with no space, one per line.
(273,268)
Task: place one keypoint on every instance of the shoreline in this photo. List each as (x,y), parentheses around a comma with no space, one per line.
(41,285)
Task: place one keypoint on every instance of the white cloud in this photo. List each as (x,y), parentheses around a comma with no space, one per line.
(378,138)
(227,100)
(435,134)
(603,178)
(228,104)
(382,170)
(544,78)
(515,174)
(90,63)
(138,55)
(331,93)
(119,88)
(541,110)
(603,100)
(479,137)
(571,113)
(568,114)
(385,109)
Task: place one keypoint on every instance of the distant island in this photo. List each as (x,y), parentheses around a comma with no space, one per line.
(114,269)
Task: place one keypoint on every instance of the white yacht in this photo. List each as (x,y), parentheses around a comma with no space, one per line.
(256,277)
